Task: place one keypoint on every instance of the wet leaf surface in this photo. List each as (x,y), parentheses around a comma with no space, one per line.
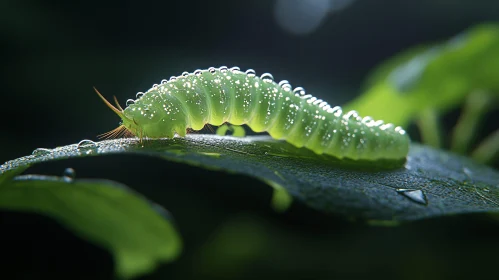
(431,183)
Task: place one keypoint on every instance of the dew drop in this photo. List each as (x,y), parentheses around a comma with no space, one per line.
(351,114)
(139,94)
(336,110)
(378,123)
(414,195)
(311,99)
(267,77)
(198,72)
(172,79)
(87,146)
(283,82)
(41,152)
(235,69)
(212,70)
(299,90)
(317,102)
(130,102)
(367,120)
(155,85)
(250,72)
(400,130)
(386,126)
(68,175)
(307,96)
(164,81)
(224,69)
(185,74)
(285,85)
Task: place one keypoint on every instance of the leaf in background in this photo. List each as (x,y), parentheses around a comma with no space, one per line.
(431,183)
(437,77)
(101,211)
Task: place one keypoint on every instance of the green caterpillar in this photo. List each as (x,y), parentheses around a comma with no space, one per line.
(218,95)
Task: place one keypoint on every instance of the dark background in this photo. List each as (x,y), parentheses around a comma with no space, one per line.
(55,51)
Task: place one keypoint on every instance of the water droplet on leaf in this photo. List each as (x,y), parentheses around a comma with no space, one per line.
(41,152)
(68,175)
(87,146)
(414,195)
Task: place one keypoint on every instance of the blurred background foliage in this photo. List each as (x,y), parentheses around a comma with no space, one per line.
(422,83)
(55,51)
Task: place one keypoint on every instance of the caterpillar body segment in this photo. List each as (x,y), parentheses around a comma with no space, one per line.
(218,95)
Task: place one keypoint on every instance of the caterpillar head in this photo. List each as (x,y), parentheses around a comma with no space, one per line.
(145,121)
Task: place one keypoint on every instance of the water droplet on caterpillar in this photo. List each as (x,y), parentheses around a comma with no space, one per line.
(172,79)
(164,81)
(212,70)
(367,119)
(235,69)
(311,100)
(198,72)
(130,102)
(41,152)
(299,90)
(351,114)
(283,82)
(185,74)
(387,126)
(155,85)
(87,146)
(336,110)
(285,85)
(224,69)
(68,175)
(267,77)
(250,72)
(139,94)
(399,130)
(323,104)
(378,123)
(414,195)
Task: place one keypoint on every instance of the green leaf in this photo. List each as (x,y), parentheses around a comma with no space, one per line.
(104,212)
(436,77)
(431,183)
